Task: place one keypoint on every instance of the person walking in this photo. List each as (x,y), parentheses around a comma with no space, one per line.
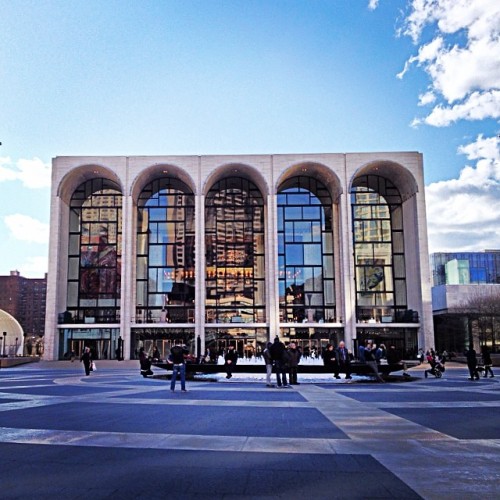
(487,361)
(344,360)
(293,362)
(371,361)
(86,358)
(230,360)
(279,357)
(178,361)
(268,360)
(472,363)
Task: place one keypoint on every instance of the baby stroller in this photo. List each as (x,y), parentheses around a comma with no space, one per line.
(437,368)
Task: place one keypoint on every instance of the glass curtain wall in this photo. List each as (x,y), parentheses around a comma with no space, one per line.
(165,253)
(305,252)
(379,259)
(234,243)
(94,254)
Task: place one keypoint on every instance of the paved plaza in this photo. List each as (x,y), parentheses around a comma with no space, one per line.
(115,434)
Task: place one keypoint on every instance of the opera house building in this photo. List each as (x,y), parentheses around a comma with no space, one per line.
(236,250)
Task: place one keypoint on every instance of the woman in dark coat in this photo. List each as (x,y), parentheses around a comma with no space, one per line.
(293,362)
(472,364)
(487,362)
(330,360)
(86,358)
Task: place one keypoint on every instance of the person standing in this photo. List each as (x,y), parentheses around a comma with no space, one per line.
(487,362)
(86,358)
(330,360)
(293,362)
(279,355)
(343,359)
(178,361)
(472,363)
(230,360)
(268,360)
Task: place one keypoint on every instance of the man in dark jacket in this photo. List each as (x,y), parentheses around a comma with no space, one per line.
(293,362)
(279,356)
(177,358)
(230,359)
(472,364)
(344,360)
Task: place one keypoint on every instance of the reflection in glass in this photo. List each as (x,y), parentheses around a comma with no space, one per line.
(305,252)
(378,249)
(94,253)
(165,253)
(234,245)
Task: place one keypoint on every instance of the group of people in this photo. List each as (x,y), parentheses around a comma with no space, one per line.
(284,361)
(338,360)
(473,365)
(437,363)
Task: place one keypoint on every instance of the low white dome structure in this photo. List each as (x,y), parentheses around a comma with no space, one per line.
(10,326)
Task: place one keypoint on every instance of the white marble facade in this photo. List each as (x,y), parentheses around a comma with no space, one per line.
(336,171)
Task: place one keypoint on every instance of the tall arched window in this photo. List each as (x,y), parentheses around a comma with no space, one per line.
(165,253)
(379,260)
(94,256)
(305,252)
(234,235)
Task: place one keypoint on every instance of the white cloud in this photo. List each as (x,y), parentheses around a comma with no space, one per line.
(26,228)
(34,267)
(373,4)
(462,60)
(427,98)
(477,106)
(33,174)
(465,212)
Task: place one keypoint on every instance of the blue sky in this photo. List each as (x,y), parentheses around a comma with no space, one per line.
(269,76)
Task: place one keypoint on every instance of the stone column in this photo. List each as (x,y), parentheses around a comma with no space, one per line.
(127,301)
(200,267)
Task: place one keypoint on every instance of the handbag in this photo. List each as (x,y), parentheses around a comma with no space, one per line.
(92,367)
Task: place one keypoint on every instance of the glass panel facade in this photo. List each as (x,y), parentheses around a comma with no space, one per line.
(94,253)
(378,250)
(312,341)
(405,340)
(464,268)
(305,252)
(162,339)
(165,253)
(103,342)
(248,342)
(234,245)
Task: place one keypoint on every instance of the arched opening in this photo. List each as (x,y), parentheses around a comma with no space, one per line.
(165,253)
(379,259)
(235,253)
(305,252)
(94,253)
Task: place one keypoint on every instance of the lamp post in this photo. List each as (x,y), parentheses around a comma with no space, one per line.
(4,342)
(17,340)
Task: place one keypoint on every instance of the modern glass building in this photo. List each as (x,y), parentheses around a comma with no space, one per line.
(235,250)
(466,268)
